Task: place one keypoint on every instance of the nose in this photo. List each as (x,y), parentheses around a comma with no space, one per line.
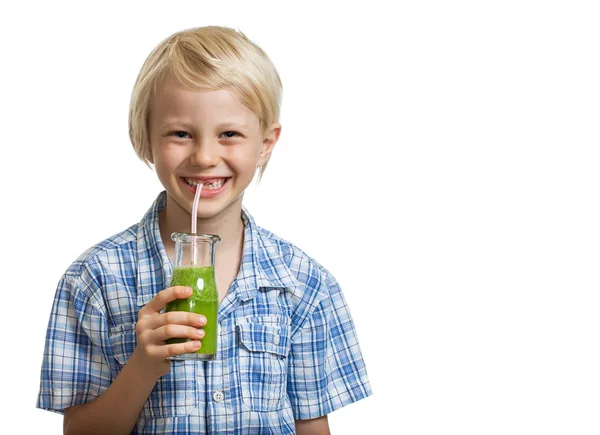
(205,154)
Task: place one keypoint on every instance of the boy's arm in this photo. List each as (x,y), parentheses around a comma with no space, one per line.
(117,409)
(316,426)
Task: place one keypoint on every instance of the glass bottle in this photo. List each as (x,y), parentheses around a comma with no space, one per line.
(195,267)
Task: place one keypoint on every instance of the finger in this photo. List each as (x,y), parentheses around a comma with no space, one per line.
(175,318)
(163,297)
(166,350)
(176,331)
(180,348)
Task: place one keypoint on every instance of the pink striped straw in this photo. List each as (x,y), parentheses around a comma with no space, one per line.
(194,222)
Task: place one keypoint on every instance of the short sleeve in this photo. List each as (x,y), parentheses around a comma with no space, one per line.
(74,370)
(326,369)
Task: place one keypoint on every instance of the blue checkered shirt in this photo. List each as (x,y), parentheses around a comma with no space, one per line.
(287,344)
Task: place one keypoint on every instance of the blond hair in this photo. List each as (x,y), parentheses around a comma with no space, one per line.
(206,58)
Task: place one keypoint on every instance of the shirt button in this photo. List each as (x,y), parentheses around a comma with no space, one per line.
(218,396)
(276,340)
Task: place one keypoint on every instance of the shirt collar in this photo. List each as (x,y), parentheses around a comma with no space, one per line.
(262,265)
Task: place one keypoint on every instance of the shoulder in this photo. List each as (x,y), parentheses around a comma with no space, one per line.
(307,271)
(316,295)
(98,260)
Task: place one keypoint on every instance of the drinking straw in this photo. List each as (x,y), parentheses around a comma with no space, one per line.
(194,221)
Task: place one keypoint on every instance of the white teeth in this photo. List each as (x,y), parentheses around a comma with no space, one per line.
(214,185)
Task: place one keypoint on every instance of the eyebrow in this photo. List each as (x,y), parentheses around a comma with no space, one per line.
(234,124)
(229,124)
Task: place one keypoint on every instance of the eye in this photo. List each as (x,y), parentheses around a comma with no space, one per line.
(179,134)
(231,134)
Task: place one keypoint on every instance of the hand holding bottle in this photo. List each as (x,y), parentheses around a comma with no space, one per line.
(155,327)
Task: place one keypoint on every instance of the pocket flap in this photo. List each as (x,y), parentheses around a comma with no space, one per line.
(259,337)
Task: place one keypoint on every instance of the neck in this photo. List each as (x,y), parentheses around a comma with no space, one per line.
(228,225)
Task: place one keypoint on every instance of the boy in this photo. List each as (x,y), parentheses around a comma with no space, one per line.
(204,109)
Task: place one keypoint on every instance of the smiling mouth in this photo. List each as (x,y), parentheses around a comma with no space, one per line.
(210,184)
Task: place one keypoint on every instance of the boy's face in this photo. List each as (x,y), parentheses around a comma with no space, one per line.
(207,136)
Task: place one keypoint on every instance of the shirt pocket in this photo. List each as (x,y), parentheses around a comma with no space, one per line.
(175,394)
(263,350)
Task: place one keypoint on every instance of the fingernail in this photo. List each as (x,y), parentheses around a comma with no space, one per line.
(200,333)
(202,320)
(196,343)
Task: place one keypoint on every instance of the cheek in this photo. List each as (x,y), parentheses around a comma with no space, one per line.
(246,155)
(166,161)
(163,173)
(245,162)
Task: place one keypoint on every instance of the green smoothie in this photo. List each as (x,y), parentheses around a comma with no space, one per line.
(204,300)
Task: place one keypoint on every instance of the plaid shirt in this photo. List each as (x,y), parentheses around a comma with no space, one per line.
(287,345)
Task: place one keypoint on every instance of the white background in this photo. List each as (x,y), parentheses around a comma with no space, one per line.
(441,159)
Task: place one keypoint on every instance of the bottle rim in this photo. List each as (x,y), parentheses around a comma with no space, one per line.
(198,238)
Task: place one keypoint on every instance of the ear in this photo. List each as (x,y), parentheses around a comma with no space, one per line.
(271,138)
